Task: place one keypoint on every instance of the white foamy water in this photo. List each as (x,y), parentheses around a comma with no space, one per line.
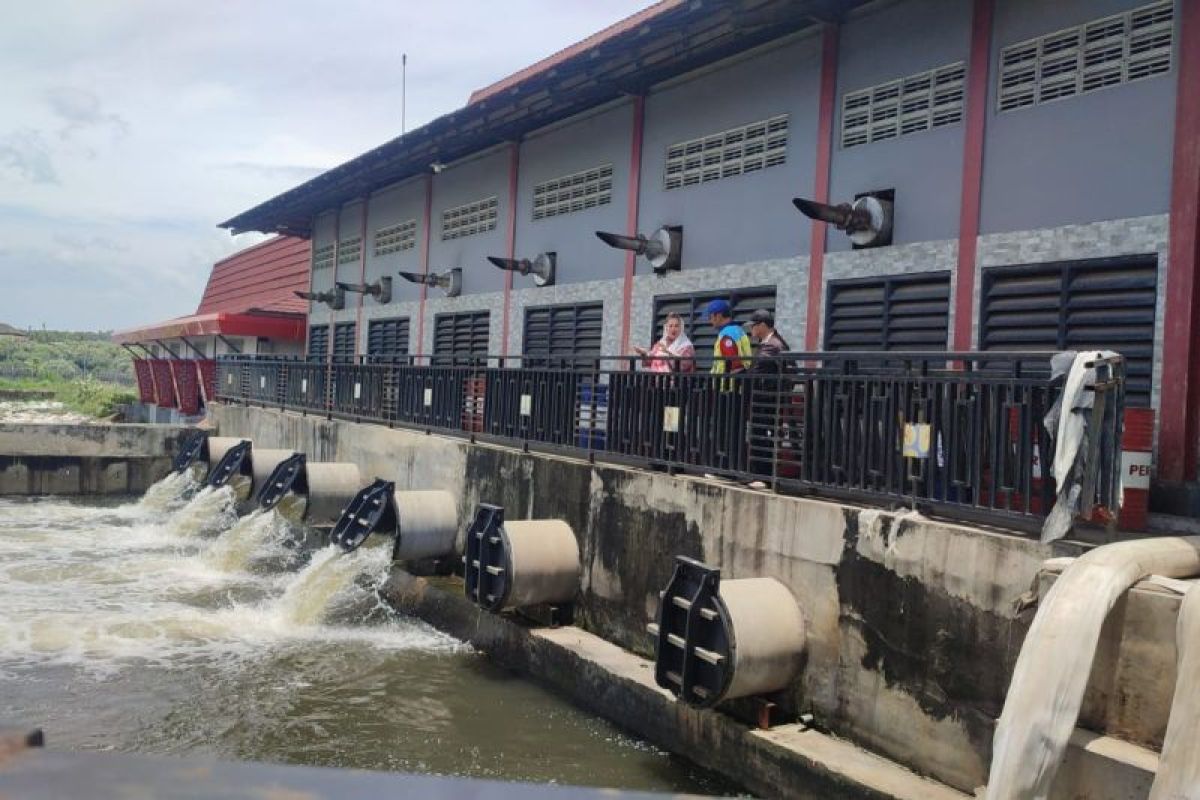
(40,411)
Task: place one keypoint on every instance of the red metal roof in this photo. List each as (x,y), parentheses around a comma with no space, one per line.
(262,277)
(614,30)
(283,327)
(250,293)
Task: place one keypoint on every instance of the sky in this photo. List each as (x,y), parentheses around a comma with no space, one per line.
(130,128)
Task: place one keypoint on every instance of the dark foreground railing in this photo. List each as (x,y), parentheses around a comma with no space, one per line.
(954,433)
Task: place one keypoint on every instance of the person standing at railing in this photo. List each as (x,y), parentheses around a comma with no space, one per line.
(674,352)
(731,357)
(769,394)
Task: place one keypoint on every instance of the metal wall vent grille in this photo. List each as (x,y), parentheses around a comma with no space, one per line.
(395,238)
(463,334)
(344,334)
(318,341)
(1110,51)
(931,99)
(577,192)
(387,337)
(323,256)
(902,312)
(470,219)
(737,151)
(1076,305)
(349,250)
(564,330)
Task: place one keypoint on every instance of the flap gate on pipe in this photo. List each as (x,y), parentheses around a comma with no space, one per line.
(719,641)
(193,450)
(371,509)
(236,461)
(288,476)
(520,564)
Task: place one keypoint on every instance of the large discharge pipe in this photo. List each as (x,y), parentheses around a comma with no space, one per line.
(201,451)
(243,468)
(719,640)
(521,563)
(310,492)
(424,524)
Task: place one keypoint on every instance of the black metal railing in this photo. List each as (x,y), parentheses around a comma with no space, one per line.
(954,433)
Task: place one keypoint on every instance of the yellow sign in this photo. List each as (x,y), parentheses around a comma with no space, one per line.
(916,440)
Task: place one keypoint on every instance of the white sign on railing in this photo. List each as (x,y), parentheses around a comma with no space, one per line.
(262,381)
(671,419)
(526,405)
(358,391)
(428,396)
(304,386)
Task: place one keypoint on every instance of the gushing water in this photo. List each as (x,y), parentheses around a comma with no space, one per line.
(134,628)
(259,533)
(169,493)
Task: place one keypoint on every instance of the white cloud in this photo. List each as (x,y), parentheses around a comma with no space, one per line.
(131,128)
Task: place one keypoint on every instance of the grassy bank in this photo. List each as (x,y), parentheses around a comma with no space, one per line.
(85,396)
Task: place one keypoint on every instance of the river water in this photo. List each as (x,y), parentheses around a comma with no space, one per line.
(164,626)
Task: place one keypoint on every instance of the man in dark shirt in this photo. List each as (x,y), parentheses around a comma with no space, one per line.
(770,394)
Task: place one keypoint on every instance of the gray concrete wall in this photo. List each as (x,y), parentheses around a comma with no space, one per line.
(925,169)
(745,217)
(85,459)
(396,204)
(912,623)
(590,141)
(1097,156)
(474,179)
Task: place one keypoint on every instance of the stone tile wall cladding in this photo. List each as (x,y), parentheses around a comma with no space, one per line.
(1133,236)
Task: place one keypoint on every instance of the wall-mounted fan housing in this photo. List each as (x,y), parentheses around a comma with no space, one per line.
(449,281)
(867,221)
(542,268)
(663,248)
(381,289)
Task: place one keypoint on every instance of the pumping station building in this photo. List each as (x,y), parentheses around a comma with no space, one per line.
(838,548)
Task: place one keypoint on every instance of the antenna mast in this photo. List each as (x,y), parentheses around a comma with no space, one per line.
(403,90)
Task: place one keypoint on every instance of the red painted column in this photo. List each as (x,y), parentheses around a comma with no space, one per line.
(633,201)
(362,272)
(514,162)
(972,174)
(1179,407)
(816,253)
(425,224)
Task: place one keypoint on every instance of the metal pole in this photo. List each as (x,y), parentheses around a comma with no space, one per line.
(403,91)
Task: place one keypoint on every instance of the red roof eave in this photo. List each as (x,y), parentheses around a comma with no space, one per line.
(280,327)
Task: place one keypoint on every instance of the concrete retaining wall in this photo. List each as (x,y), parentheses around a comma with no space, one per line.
(914,624)
(84,459)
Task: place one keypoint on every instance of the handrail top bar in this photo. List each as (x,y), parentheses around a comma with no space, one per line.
(819,355)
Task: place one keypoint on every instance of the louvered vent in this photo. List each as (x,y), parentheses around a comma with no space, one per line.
(396,238)
(749,148)
(469,219)
(463,334)
(695,323)
(387,337)
(349,250)
(1102,304)
(902,312)
(564,330)
(322,257)
(318,341)
(931,99)
(343,340)
(587,189)
(1118,49)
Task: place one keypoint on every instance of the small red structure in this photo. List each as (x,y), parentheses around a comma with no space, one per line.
(249,300)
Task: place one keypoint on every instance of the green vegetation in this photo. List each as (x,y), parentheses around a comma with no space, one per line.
(64,355)
(85,371)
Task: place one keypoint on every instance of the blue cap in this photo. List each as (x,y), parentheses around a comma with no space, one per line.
(719,307)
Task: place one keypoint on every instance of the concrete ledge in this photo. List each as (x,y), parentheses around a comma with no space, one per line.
(107,440)
(787,761)
(77,475)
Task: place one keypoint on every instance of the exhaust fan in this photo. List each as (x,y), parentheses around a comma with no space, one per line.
(867,221)
(381,289)
(334,298)
(541,268)
(449,281)
(663,248)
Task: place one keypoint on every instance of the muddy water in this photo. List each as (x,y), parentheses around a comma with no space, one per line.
(168,626)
